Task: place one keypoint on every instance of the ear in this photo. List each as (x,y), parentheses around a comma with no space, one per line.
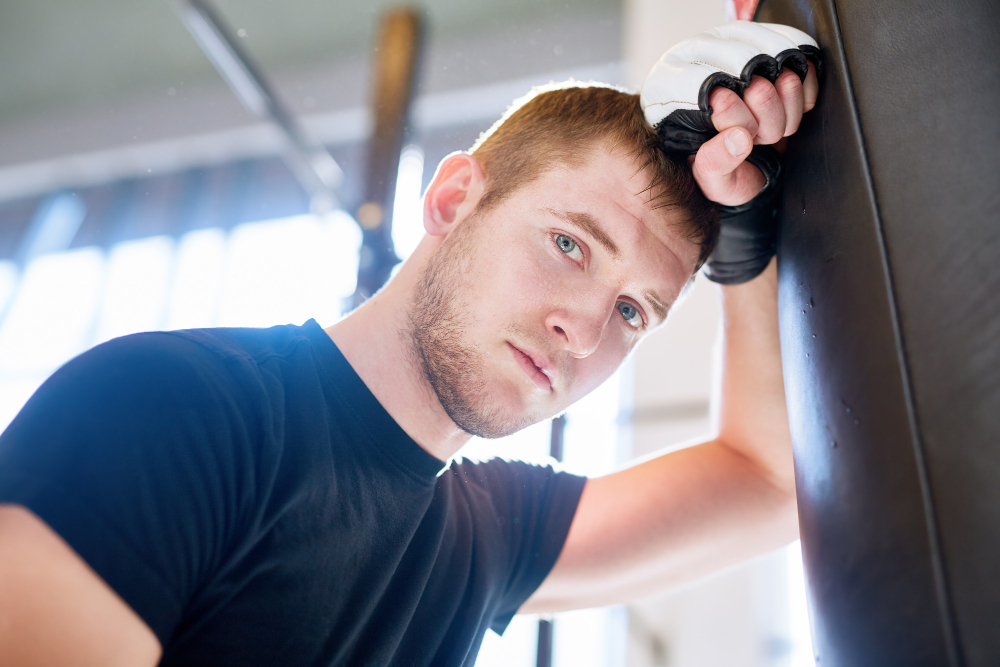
(453,194)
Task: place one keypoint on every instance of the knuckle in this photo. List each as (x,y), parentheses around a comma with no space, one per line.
(724,101)
(729,110)
(707,164)
(764,102)
(769,135)
(761,93)
(788,83)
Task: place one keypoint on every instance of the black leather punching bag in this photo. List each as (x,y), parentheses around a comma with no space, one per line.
(889,261)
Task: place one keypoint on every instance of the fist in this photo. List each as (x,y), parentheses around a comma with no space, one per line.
(689,99)
(767,113)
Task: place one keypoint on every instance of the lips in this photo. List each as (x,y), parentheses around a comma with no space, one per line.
(534,367)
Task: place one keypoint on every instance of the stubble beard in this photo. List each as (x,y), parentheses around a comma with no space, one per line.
(439,322)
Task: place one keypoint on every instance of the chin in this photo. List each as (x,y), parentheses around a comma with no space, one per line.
(497,412)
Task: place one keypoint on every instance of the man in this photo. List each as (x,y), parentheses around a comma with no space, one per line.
(277,496)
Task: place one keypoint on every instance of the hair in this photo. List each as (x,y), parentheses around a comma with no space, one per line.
(562,124)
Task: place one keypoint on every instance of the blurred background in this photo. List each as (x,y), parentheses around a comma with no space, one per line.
(143,186)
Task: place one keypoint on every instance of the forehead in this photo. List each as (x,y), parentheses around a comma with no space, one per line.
(612,189)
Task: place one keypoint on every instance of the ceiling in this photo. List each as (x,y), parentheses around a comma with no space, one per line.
(61,54)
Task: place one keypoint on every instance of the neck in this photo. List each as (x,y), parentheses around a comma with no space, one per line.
(375,339)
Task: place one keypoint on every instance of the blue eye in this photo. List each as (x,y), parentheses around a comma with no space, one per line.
(630,313)
(568,246)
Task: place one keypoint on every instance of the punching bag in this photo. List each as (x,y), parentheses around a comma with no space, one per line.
(889,263)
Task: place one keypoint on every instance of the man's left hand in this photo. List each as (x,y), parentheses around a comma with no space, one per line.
(766,114)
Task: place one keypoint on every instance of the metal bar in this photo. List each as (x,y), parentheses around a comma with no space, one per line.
(398,51)
(543,657)
(310,162)
(557,437)
(546,627)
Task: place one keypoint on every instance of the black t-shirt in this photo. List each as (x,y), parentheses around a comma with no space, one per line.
(248,496)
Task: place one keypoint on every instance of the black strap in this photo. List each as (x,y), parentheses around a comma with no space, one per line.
(748,233)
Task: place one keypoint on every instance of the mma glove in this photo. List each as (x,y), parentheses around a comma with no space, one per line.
(674,101)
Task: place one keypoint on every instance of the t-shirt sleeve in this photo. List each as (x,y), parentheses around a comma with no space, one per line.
(131,453)
(535,506)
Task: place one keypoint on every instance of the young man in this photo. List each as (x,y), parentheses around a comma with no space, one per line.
(277,496)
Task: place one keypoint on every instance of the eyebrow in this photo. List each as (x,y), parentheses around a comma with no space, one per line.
(589,224)
(658,307)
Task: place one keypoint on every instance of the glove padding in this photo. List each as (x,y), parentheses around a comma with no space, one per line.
(674,101)
(675,94)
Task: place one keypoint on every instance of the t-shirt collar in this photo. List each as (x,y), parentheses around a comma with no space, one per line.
(383,428)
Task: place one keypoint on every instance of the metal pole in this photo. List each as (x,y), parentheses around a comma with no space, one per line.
(398,53)
(544,654)
(310,162)
(545,626)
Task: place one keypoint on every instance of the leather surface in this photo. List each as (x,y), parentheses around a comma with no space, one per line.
(890,323)
(674,96)
(675,81)
(935,162)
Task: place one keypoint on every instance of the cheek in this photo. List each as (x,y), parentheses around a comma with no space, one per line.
(520,282)
(598,367)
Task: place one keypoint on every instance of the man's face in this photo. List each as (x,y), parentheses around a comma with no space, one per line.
(529,306)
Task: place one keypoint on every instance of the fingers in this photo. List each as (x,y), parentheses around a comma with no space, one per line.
(789,89)
(810,88)
(763,101)
(728,110)
(721,170)
(768,111)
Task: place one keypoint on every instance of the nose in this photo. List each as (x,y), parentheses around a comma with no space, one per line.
(578,328)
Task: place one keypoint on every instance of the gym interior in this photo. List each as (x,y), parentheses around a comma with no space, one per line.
(178,164)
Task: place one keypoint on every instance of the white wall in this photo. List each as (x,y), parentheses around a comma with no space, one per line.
(650,27)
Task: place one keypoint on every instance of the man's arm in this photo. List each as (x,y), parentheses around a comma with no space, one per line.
(111,511)
(684,514)
(55,610)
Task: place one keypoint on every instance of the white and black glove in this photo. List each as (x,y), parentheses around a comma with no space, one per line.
(675,101)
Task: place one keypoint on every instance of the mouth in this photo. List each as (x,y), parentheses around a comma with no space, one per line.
(537,370)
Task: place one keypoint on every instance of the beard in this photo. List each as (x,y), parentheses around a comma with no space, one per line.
(439,321)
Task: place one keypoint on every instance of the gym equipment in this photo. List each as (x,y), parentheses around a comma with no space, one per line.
(674,101)
(890,329)
(397,59)
(310,162)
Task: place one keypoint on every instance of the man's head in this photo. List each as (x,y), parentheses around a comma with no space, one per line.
(563,237)
(560,124)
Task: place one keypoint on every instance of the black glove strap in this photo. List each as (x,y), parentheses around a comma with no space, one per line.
(748,234)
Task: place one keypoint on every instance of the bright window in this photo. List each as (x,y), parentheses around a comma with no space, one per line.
(258,274)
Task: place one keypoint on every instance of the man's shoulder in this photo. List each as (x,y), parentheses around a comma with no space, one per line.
(221,352)
(232,343)
(155,360)
(183,370)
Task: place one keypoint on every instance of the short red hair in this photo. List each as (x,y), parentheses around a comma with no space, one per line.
(562,123)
